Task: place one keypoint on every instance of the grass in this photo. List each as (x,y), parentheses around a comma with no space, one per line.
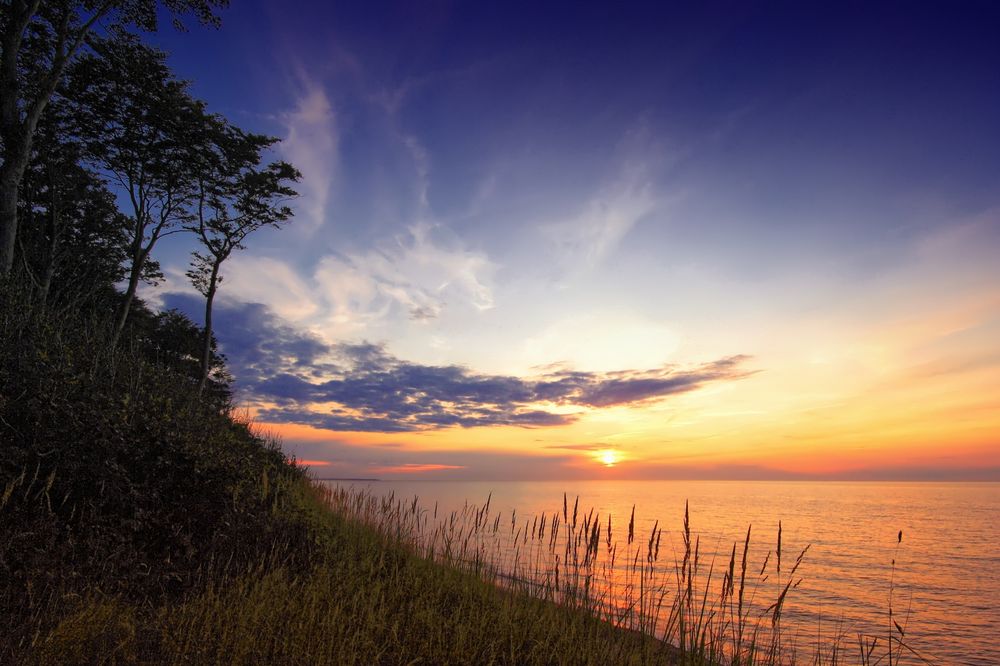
(575,560)
(382,589)
(709,611)
(364,601)
(141,526)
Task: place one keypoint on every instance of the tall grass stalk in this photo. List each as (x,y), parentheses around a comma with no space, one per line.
(563,557)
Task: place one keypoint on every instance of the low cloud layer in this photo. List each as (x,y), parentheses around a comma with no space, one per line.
(363,387)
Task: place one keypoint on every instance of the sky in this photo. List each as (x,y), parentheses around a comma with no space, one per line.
(617,240)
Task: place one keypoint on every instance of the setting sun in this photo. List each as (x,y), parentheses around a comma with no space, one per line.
(328,293)
(608,457)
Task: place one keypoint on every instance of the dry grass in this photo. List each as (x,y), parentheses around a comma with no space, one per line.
(396,584)
(712,612)
(369,601)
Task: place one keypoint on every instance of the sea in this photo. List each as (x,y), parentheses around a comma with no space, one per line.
(934,547)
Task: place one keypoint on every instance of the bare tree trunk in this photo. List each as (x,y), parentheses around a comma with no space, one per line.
(206,349)
(55,227)
(46,283)
(17,138)
(133,285)
(11,172)
(15,132)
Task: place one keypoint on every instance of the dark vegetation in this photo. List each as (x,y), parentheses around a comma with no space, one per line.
(141,524)
(141,520)
(123,472)
(117,479)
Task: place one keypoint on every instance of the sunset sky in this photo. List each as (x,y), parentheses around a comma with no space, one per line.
(736,240)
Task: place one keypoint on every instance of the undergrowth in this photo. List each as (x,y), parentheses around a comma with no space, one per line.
(139,524)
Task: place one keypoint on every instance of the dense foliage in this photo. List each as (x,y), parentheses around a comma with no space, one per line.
(123,470)
(115,476)
(140,524)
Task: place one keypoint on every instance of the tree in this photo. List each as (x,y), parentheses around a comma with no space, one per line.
(177,342)
(38,41)
(236,198)
(74,239)
(146,134)
(172,340)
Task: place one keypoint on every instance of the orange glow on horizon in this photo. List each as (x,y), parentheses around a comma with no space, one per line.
(414,467)
(915,388)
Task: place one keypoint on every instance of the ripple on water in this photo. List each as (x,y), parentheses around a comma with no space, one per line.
(946,575)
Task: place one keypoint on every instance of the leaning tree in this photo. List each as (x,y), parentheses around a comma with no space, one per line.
(237,196)
(147,135)
(38,42)
(73,241)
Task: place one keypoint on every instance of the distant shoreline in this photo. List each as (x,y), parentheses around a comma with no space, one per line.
(345,479)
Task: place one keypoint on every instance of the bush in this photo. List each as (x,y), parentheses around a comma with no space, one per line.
(116,478)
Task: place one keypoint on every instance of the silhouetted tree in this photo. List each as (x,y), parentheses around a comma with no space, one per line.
(236,198)
(144,131)
(170,338)
(74,237)
(38,41)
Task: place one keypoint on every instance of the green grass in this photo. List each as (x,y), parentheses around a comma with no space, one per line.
(576,560)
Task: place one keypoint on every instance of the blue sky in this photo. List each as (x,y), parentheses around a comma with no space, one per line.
(629,187)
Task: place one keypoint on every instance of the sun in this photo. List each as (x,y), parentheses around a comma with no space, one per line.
(608,457)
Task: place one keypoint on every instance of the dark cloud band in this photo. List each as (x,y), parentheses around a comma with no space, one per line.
(364,388)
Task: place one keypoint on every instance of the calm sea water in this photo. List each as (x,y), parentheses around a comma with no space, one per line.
(947,573)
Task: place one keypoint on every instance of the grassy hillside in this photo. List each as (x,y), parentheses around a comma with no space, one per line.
(139,524)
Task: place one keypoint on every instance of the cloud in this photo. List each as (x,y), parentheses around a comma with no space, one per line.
(271,281)
(258,344)
(414,467)
(311,144)
(581,447)
(313,463)
(379,392)
(363,387)
(631,387)
(585,239)
(430,417)
(416,275)
(421,271)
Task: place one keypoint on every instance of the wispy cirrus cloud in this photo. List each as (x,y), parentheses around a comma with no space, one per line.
(276,283)
(585,239)
(311,143)
(414,275)
(420,271)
